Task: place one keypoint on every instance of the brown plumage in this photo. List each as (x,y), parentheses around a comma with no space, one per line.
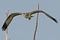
(27,15)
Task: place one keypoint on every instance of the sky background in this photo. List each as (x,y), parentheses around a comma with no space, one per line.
(23,29)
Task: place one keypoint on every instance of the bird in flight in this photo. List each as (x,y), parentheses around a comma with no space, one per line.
(27,15)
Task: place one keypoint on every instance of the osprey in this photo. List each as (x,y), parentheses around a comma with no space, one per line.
(27,15)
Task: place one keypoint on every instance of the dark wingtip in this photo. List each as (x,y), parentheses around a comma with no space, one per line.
(50,16)
(54,19)
(4,27)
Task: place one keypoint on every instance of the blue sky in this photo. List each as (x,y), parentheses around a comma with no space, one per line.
(22,29)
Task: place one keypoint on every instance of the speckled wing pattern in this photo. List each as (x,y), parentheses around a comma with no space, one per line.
(8,20)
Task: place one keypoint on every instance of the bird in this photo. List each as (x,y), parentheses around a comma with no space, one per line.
(27,15)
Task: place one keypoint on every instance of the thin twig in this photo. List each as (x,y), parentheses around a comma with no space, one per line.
(36,25)
(7,38)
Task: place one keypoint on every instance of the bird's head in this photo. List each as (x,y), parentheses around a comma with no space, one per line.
(30,17)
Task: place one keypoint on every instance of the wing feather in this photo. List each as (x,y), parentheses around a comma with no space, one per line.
(37,11)
(50,16)
(8,20)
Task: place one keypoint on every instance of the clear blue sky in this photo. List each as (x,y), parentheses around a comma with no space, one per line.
(22,29)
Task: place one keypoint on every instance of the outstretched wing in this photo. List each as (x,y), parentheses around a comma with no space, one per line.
(8,20)
(37,11)
(49,16)
(33,12)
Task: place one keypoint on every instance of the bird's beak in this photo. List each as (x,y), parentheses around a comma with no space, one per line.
(29,18)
